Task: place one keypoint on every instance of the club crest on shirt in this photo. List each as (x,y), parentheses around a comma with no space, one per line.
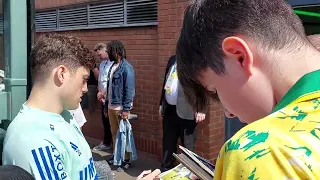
(51,127)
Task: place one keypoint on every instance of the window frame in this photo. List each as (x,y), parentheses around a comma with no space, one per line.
(123,23)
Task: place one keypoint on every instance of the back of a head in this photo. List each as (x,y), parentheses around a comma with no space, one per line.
(11,172)
(52,50)
(315,40)
(270,24)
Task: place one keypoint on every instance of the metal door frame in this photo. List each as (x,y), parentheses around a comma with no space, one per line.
(15,57)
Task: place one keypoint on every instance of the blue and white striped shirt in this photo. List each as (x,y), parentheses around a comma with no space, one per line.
(48,146)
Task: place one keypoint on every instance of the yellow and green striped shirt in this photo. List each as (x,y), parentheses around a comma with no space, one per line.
(283,145)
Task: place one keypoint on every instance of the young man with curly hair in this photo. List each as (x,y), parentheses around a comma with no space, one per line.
(44,139)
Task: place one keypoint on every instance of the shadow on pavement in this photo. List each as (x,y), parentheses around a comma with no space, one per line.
(145,162)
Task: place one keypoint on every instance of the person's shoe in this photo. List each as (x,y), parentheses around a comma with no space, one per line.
(126,164)
(102,147)
(110,160)
(119,169)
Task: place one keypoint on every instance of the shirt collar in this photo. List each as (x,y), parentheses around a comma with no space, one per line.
(309,83)
(41,113)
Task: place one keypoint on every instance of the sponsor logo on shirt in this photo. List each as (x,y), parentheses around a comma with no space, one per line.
(89,172)
(49,163)
(77,129)
(75,148)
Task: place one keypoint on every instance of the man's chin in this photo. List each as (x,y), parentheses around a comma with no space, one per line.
(73,107)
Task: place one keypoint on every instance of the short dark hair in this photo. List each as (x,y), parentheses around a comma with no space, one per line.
(315,40)
(196,95)
(116,49)
(53,49)
(270,23)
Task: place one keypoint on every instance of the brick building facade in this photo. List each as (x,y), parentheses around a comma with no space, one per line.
(148,49)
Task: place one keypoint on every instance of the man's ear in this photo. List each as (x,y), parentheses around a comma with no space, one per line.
(60,74)
(236,49)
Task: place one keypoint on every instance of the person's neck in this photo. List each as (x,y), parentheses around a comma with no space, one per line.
(289,69)
(118,62)
(44,99)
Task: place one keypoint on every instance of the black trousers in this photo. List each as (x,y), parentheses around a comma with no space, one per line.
(173,128)
(107,140)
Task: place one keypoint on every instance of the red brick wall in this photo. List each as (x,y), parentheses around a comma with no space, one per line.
(148,49)
(43,4)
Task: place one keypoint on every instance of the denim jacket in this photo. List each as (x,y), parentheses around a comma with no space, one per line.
(123,85)
(124,143)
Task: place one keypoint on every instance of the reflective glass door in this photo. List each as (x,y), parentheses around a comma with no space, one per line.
(13,60)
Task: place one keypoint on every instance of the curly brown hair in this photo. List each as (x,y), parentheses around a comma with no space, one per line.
(54,49)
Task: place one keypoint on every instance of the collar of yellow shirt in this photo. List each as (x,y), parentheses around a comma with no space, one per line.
(307,87)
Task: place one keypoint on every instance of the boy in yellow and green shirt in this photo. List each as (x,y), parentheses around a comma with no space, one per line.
(253,56)
(284,144)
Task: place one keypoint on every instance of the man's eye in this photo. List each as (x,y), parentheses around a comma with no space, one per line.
(213,95)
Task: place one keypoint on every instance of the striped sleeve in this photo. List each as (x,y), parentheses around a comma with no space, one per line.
(42,159)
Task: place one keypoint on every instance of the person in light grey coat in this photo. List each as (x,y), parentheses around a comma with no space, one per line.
(179,120)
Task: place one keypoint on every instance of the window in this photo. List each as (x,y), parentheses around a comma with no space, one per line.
(115,13)
(310,17)
(141,11)
(73,18)
(106,14)
(46,20)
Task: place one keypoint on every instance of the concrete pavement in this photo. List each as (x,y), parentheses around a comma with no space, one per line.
(145,162)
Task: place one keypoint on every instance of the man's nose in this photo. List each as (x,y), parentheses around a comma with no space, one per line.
(85,89)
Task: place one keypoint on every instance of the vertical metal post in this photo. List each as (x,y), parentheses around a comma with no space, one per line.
(88,14)
(125,12)
(58,21)
(31,33)
(15,53)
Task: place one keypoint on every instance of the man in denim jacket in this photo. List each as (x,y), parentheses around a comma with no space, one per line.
(121,89)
